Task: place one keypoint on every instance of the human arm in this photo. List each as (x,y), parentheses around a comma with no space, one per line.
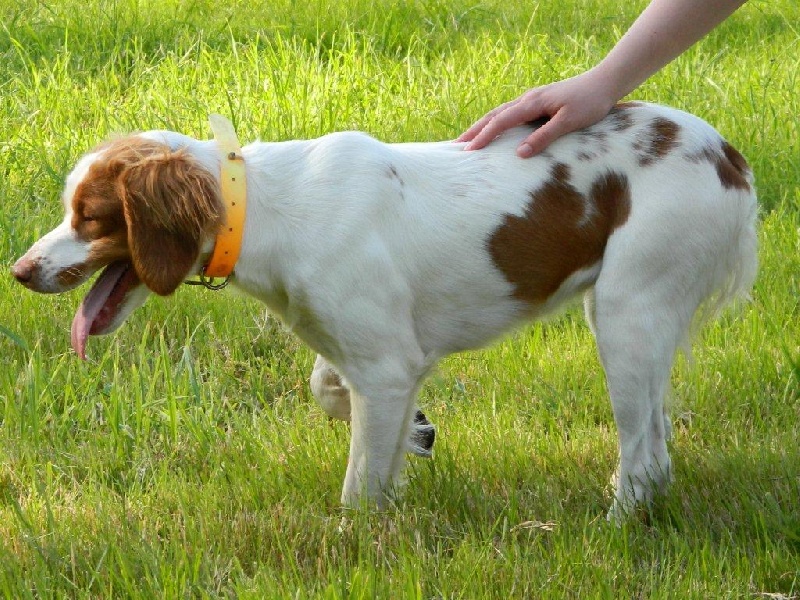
(664,30)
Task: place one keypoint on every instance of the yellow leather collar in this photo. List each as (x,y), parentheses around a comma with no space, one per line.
(233,190)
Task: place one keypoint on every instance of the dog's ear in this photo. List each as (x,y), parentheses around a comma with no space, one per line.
(171,203)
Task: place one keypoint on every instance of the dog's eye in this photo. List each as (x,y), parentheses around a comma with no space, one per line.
(89,218)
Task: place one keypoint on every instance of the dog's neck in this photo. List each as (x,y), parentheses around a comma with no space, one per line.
(279,219)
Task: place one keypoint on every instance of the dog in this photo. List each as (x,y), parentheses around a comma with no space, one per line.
(384,258)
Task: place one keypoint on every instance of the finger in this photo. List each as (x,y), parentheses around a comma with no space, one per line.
(470,133)
(510,117)
(544,136)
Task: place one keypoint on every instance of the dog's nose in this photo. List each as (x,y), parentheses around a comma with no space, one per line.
(23,270)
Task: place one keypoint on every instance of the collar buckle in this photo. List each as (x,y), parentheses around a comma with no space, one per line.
(210,283)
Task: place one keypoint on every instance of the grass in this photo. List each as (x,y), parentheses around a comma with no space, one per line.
(187,459)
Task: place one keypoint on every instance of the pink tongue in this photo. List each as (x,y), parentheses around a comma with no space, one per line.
(95,300)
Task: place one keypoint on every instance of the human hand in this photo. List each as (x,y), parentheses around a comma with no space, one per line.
(663,30)
(570,104)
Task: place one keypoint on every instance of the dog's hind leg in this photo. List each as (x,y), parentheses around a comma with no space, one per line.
(330,390)
(637,335)
(333,395)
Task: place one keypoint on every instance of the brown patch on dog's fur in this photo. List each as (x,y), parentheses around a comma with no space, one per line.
(662,136)
(619,119)
(732,168)
(143,202)
(620,116)
(561,232)
(560,173)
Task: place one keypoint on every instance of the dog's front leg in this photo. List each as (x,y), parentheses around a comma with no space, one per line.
(380,419)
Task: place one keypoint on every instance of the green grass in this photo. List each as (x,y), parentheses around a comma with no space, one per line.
(187,458)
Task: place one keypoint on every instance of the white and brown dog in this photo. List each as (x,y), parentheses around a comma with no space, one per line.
(386,257)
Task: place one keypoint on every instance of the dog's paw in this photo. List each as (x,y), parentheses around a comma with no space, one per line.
(423,434)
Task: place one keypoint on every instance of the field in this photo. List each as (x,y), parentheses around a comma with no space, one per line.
(187,458)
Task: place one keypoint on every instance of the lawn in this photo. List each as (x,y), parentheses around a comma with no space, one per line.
(187,458)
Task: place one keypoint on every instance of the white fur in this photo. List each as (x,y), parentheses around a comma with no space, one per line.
(376,255)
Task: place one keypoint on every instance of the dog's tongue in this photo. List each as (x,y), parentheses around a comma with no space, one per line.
(102,303)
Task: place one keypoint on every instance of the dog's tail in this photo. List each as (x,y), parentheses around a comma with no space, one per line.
(737,264)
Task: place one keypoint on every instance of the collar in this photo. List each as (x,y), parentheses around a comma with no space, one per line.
(233,190)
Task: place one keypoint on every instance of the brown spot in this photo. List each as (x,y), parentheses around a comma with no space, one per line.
(661,138)
(732,168)
(561,232)
(593,144)
(734,171)
(560,173)
(620,116)
(594,134)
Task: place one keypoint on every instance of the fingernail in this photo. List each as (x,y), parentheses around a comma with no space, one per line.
(524,151)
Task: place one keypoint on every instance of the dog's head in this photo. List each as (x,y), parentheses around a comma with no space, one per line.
(138,209)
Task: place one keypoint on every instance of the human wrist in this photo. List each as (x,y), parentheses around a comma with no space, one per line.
(607,87)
